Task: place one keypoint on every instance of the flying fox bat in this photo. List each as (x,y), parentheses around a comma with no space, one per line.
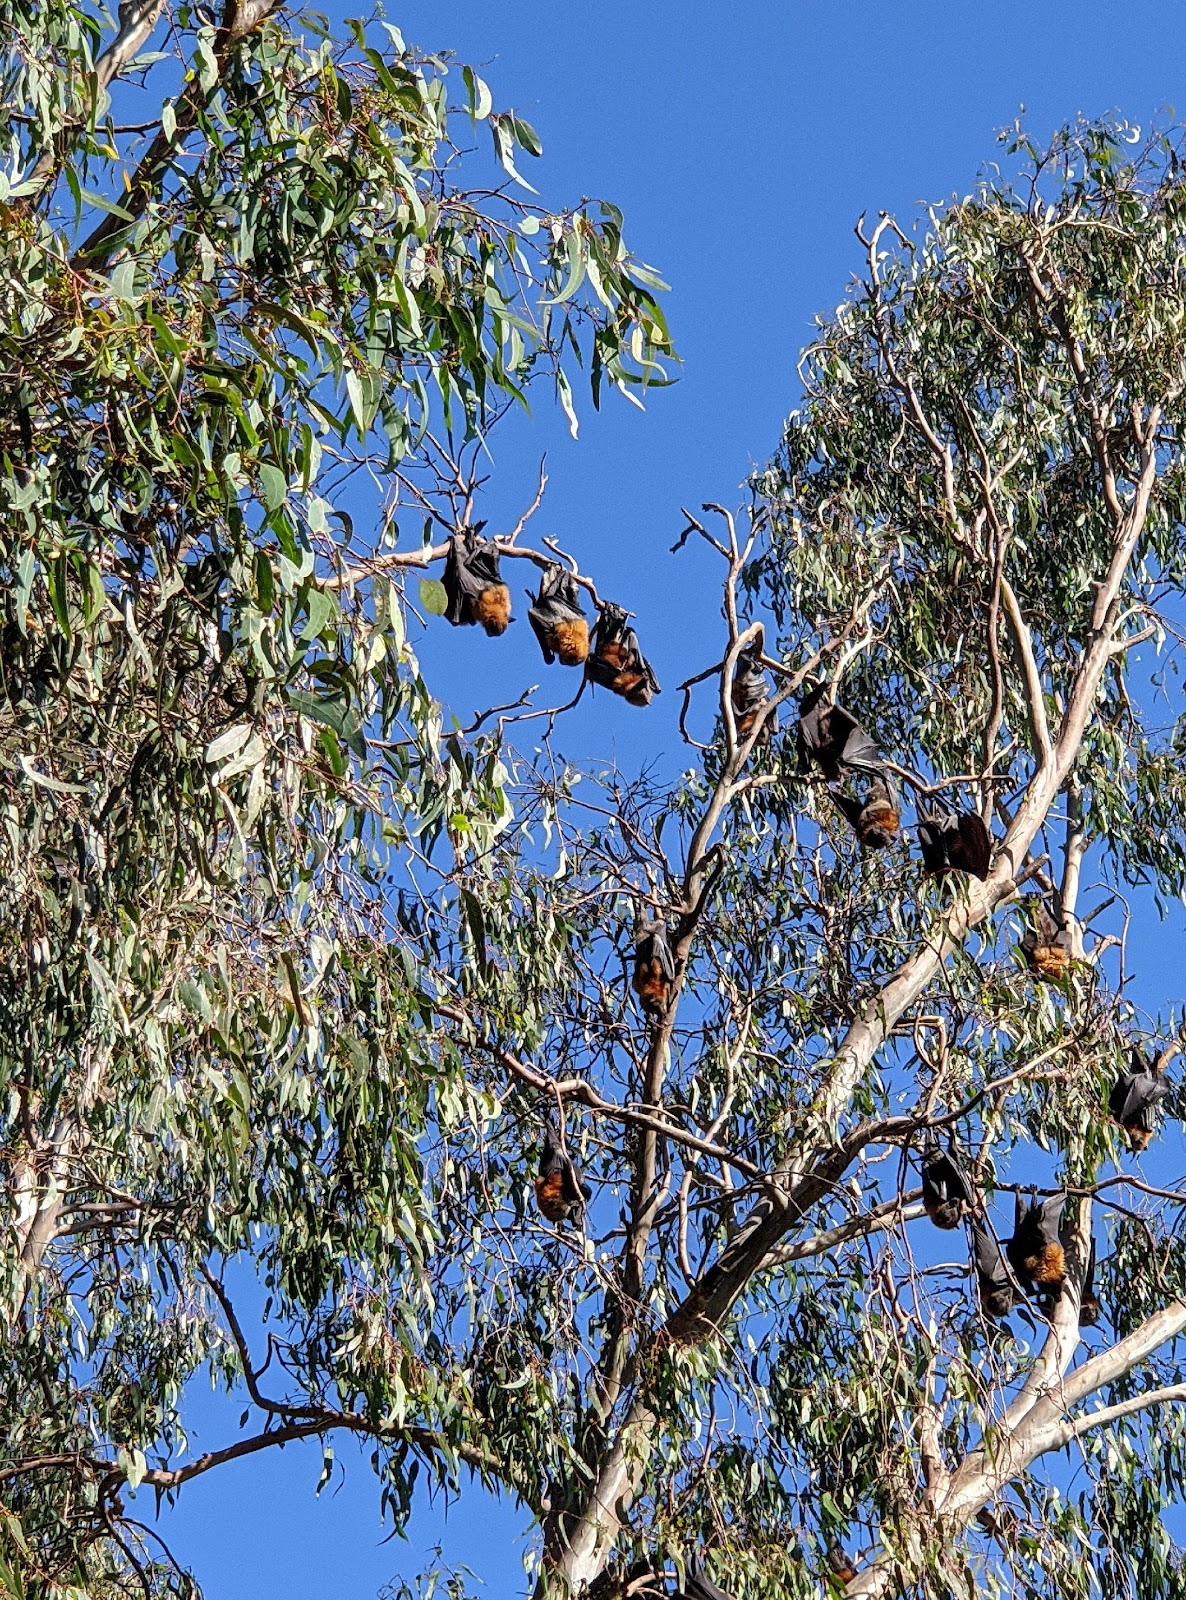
(946,1194)
(654,969)
(874,817)
(474,589)
(1046,944)
(557,619)
(833,739)
(1035,1251)
(560,1189)
(699,1586)
(1137,1093)
(1089,1302)
(615,661)
(953,843)
(750,693)
(997,1294)
(841,1566)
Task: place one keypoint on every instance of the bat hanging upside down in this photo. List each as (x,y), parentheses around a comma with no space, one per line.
(560,1188)
(557,619)
(615,660)
(474,590)
(946,1194)
(1035,1251)
(1089,1301)
(749,693)
(654,967)
(1046,945)
(997,1294)
(951,843)
(874,817)
(1137,1093)
(832,739)
(842,1568)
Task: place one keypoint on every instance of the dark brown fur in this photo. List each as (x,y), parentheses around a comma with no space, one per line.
(994,1302)
(878,826)
(945,1214)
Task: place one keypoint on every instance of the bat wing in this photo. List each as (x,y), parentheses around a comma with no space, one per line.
(601,672)
(809,735)
(858,749)
(851,806)
(662,953)
(987,1257)
(975,844)
(699,1586)
(1121,1100)
(551,1153)
(482,561)
(958,1186)
(648,686)
(578,1190)
(1047,1217)
(933,830)
(1088,1290)
(542,629)
(609,634)
(1144,1094)
(653,945)
(942,1176)
(551,610)
(460,581)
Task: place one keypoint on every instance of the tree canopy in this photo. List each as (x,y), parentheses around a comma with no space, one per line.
(296,973)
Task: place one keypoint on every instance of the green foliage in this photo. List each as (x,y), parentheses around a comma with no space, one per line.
(219,1040)
(291,972)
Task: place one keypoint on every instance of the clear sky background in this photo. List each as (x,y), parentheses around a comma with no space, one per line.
(742,142)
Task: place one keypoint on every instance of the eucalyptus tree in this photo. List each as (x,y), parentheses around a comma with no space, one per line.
(262,305)
(294,975)
(755,1349)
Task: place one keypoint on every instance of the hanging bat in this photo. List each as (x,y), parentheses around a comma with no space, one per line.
(698,1585)
(946,1194)
(1137,1093)
(557,619)
(1035,1251)
(833,739)
(841,1566)
(953,843)
(1089,1303)
(474,590)
(997,1294)
(750,692)
(654,968)
(615,661)
(874,817)
(1046,944)
(560,1189)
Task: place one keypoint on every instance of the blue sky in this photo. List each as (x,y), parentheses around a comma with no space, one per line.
(742,141)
